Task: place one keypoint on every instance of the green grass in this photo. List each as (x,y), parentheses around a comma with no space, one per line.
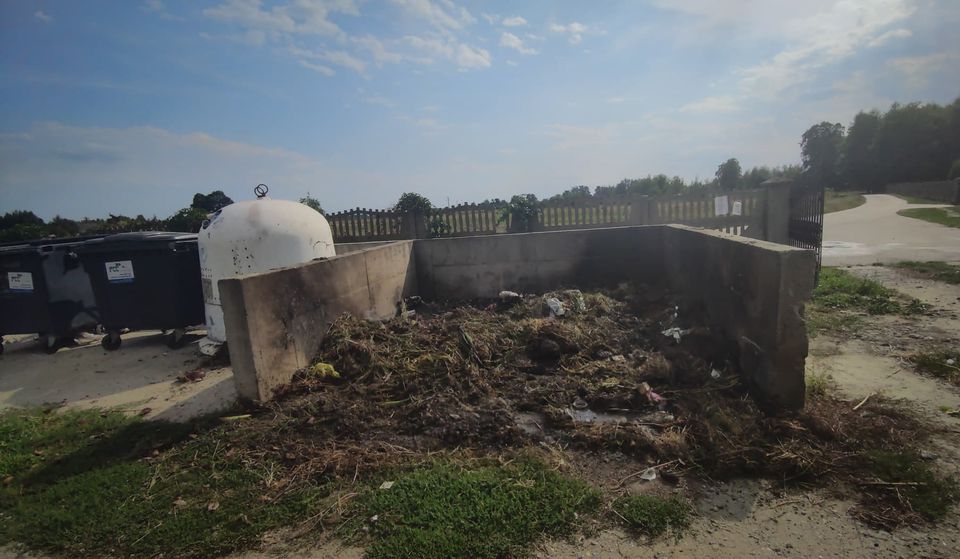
(835,201)
(949,216)
(817,384)
(916,199)
(841,298)
(944,364)
(929,495)
(88,483)
(839,289)
(652,516)
(488,511)
(939,271)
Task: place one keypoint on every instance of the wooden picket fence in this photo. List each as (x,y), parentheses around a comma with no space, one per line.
(745,215)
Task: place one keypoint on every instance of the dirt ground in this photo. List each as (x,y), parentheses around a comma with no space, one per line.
(742,519)
(745,518)
(141,375)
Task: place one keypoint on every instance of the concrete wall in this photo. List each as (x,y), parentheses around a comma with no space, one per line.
(347,248)
(947,192)
(469,267)
(752,293)
(276,320)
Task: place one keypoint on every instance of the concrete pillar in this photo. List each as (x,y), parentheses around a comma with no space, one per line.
(640,211)
(776,218)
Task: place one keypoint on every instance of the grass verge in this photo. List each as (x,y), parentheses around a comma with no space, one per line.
(949,216)
(653,516)
(450,510)
(91,483)
(944,364)
(841,299)
(836,201)
(936,270)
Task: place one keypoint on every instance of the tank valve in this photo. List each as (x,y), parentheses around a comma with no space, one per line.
(261,190)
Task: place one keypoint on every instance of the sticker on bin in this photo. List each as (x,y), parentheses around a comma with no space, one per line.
(120,271)
(21,282)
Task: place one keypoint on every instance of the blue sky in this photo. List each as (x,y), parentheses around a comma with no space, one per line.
(132,106)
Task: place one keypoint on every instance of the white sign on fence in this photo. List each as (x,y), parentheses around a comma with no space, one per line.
(737,208)
(20,281)
(120,271)
(721,205)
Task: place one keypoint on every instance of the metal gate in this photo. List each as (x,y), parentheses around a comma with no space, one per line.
(806,217)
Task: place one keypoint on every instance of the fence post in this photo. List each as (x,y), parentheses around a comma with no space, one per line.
(640,210)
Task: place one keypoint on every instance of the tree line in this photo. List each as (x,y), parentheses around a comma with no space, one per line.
(907,143)
(23,225)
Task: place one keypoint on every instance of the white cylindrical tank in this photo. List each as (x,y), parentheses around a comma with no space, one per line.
(256,236)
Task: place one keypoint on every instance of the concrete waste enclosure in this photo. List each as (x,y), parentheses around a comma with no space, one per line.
(751,293)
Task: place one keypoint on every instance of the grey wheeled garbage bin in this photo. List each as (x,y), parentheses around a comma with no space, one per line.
(145,281)
(45,290)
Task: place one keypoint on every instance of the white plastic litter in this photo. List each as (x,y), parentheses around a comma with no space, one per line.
(675,333)
(509,295)
(714,374)
(555,306)
(649,474)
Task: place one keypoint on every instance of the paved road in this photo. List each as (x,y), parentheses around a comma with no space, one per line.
(874,232)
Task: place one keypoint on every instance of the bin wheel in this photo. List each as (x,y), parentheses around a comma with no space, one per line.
(177,338)
(53,343)
(111,342)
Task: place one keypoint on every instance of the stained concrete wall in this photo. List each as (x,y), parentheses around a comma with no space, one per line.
(947,192)
(347,248)
(276,320)
(751,292)
(470,267)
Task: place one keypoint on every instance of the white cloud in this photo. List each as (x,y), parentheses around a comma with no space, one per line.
(820,40)
(337,58)
(894,34)
(448,15)
(492,19)
(919,69)
(301,17)
(428,123)
(159,7)
(381,55)
(379,100)
(574,31)
(463,55)
(511,41)
(42,16)
(77,171)
(512,63)
(515,21)
(615,100)
(712,105)
(319,68)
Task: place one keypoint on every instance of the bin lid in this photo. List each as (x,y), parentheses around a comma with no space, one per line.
(152,239)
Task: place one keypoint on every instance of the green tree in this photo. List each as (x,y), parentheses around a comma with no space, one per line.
(313,203)
(413,202)
(19,217)
(63,227)
(820,151)
(210,202)
(521,213)
(728,174)
(187,220)
(860,169)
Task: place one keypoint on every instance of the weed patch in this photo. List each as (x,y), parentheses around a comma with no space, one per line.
(840,296)
(944,364)
(483,511)
(904,478)
(653,516)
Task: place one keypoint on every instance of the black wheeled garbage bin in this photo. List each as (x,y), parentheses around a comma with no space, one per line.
(45,290)
(145,281)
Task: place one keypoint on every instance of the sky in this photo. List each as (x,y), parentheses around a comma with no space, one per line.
(130,107)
